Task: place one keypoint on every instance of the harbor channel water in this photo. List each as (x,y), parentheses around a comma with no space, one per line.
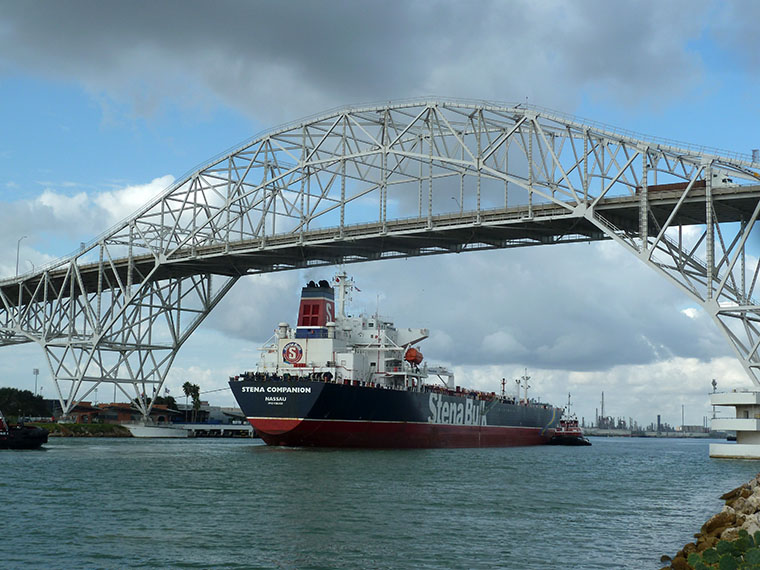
(129,503)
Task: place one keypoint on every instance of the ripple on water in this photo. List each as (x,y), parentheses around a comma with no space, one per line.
(230,503)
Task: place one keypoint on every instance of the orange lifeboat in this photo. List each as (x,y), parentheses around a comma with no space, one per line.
(413,356)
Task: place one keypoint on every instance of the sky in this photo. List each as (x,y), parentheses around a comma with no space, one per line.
(104,104)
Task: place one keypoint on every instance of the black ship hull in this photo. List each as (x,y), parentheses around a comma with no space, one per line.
(315,413)
(569,440)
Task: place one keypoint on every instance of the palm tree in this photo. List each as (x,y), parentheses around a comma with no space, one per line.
(187,388)
(196,401)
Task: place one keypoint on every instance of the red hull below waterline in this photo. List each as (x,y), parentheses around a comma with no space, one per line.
(369,434)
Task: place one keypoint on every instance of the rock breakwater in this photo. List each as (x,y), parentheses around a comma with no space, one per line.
(733,533)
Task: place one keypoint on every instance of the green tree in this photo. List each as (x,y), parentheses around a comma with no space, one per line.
(22,402)
(167,401)
(196,396)
(192,391)
(187,388)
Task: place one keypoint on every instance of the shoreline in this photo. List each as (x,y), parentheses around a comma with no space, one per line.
(83,430)
(731,536)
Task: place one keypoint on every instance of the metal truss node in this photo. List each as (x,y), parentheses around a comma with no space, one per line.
(401,179)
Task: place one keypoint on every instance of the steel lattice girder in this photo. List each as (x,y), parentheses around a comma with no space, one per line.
(400,179)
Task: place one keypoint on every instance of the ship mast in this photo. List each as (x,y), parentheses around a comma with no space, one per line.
(343,283)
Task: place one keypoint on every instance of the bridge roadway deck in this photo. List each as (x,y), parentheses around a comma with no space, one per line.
(490,229)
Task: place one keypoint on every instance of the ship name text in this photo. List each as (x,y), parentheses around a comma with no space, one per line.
(466,412)
(278,389)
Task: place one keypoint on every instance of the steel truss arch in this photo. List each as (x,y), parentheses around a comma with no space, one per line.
(393,180)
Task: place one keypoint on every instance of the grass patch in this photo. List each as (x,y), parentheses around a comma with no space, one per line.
(84,430)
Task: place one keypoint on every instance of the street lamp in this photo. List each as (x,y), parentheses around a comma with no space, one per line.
(18,246)
(36,372)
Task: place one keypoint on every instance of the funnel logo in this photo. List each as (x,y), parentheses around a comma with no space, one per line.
(292,352)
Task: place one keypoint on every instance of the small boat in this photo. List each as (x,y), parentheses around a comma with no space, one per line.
(569,432)
(144,430)
(19,436)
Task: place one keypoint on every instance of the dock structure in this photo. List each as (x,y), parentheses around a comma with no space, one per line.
(219,430)
(746,424)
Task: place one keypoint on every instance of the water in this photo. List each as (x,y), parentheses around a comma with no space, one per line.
(118,503)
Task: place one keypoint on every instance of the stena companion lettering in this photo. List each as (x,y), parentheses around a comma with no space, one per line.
(278,389)
(465,412)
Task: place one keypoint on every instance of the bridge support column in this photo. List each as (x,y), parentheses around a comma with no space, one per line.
(721,284)
(134,344)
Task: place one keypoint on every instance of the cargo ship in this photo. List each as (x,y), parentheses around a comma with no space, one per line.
(336,380)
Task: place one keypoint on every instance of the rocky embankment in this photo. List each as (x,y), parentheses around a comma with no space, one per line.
(731,533)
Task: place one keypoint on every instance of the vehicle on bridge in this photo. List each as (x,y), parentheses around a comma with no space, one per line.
(719,180)
(341,381)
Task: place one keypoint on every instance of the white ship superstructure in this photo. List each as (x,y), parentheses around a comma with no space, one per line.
(329,344)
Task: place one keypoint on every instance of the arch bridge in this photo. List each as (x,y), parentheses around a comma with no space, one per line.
(401,179)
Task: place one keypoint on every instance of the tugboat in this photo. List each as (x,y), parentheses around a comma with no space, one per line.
(19,436)
(569,432)
(337,380)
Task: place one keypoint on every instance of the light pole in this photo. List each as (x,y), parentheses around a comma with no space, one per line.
(18,247)
(36,372)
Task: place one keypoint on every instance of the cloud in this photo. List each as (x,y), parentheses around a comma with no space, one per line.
(640,391)
(503,344)
(62,216)
(691,312)
(118,204)
(63,207)
(277,61)
(255,306)
(734,30)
